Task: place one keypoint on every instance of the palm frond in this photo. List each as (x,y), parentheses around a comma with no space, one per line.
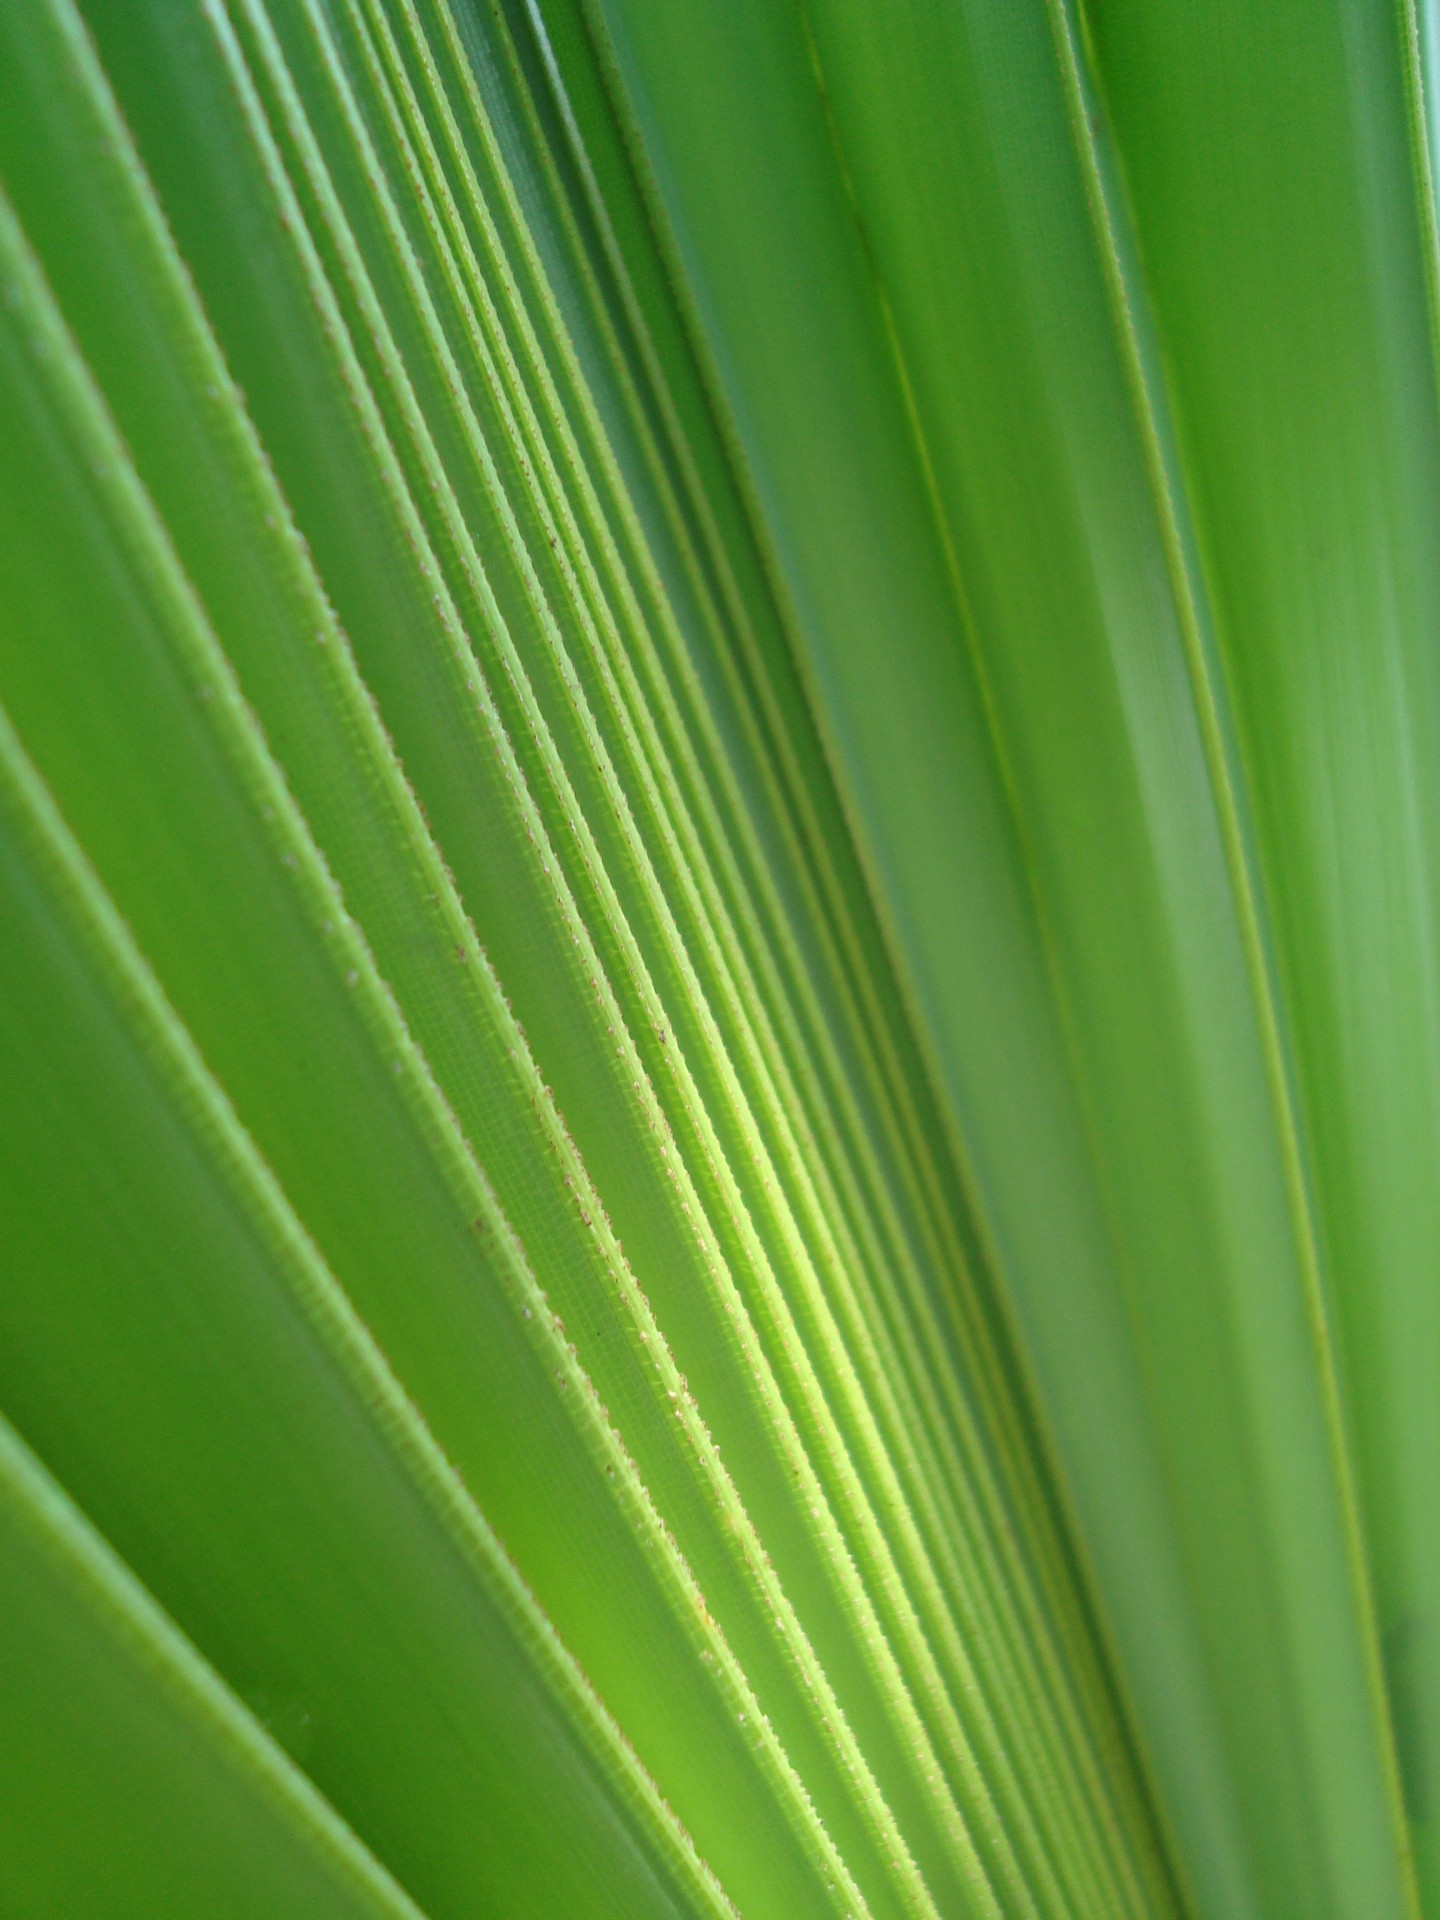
(718,755)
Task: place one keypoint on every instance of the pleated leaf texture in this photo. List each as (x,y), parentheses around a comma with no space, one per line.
(719,960)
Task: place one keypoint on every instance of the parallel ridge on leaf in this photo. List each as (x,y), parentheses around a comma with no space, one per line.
(513,1407)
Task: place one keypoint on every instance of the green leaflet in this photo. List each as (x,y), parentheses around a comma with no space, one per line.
(132,1778)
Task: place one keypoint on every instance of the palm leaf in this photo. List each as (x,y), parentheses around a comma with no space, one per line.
(716,754)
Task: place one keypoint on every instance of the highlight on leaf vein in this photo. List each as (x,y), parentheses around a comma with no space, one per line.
(719,1007)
